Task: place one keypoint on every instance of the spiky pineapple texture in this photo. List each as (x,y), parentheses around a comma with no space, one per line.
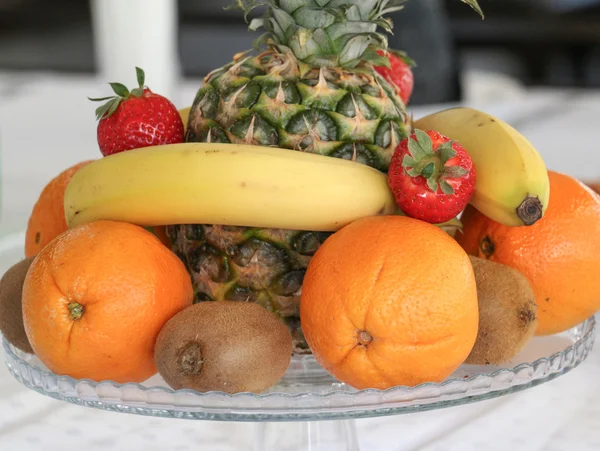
(312,89)
(265,266)
(273,100)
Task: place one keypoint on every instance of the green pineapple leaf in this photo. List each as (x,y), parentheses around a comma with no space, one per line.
(292,5)
(313,18)
(385,24)
(247,6)
(376,59)
(473,4)
(256,24)
(262,41)
(328,33)
(354,48)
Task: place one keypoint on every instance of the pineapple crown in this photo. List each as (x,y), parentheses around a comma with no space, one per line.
(328,33)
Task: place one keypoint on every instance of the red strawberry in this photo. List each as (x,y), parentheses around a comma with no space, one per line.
(432,177)
(399,74)
(135,119)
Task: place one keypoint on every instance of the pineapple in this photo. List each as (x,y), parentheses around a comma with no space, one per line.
(312,88)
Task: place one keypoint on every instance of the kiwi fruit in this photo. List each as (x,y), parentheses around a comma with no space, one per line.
(507,312)
(11,306)
(223,346)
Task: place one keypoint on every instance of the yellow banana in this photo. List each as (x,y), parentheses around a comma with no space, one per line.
(512,180)
(227,184)
(185,115)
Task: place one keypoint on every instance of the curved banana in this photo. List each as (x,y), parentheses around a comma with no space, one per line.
(512,180)
(227,184)
(185,115)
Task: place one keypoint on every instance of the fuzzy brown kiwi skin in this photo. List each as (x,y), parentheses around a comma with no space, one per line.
(224,346)
(507,313)
(11,306)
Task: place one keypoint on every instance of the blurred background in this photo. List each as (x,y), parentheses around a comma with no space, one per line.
(536,42)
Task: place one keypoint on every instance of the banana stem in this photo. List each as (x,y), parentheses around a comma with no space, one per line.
(531,210)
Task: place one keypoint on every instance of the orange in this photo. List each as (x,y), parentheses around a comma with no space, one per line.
(390,301)
(560,254)
(47,219)
(96,298)
(161,234)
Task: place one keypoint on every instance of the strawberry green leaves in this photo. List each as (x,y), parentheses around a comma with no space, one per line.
(454,172)
(425,161)
(422,146)
(122,93)
(119,89)
(109,108)
(136,118)
(141,77)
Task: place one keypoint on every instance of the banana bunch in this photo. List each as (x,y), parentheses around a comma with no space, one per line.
(512,180)
(226,184)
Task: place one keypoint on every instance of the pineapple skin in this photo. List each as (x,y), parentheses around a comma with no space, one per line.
(274,100)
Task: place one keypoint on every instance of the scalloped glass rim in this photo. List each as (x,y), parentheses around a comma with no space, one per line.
(330,400)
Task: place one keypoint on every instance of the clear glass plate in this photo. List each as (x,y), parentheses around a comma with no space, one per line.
(307,392)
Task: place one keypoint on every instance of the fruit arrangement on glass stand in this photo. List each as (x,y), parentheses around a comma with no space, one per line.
(295,208)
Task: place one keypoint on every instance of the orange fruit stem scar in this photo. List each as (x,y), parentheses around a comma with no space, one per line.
(364,338)
(75,310)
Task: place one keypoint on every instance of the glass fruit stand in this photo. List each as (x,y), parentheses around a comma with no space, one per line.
(308,409)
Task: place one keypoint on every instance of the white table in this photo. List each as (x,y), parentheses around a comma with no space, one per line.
(47,124)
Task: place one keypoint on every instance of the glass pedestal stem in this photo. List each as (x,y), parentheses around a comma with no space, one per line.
(307,436)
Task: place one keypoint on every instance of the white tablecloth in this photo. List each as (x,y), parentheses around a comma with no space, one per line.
(47,124)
